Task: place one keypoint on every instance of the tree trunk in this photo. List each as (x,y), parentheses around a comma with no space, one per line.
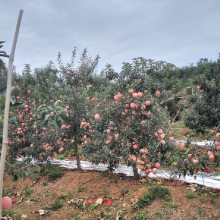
(77,157)
(135,171)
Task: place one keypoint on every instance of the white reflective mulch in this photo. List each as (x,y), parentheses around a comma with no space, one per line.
(200,143)
(208,180)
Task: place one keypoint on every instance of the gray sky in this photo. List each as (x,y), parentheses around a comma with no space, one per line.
(177,31)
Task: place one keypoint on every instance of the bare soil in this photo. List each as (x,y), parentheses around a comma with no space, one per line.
(123,192)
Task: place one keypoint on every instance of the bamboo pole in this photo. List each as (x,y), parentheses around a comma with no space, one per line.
(7,105)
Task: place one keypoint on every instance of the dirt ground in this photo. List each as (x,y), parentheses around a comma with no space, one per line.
(187,202)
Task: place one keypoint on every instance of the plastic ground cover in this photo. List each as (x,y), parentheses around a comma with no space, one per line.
(205,179)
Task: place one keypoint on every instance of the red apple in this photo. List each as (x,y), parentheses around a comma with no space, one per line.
(6,202)
(217,145)
(117,136)
(148,103)
(61,149)
(171,139)
(209,152)
(97,117)
(190,156)
(139,161)
(133,105)
(195,161)
(135,95)
(116,98)
(29,91)
(157,165)
(135,146)
(144,150)
(120,95)
(147,171)
(211,157)
(160,131)
(131,91)
(139,94)
(63,126)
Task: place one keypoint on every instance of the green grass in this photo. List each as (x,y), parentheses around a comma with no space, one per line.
(81,189)
(27,191)
(77,203)
(153,193)
(124,191)
(8,191)
(205,195)
(190,194)
(57,204)
(105,192)
(12,214)
(75,216)
(163,213)
(140,216)
(92,207)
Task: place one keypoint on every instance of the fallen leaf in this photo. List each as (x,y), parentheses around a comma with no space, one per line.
(42,212)
(192,187)
(18,194)
(120,214)
(99,201)
(71,201)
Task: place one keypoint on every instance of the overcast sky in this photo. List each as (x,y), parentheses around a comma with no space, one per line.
(177,31)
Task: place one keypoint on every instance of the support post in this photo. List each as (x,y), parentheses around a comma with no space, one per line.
(7,105)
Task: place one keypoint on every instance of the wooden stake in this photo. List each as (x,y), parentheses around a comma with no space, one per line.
(7,105)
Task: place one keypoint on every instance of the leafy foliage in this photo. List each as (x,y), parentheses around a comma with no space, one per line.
(205,111)
(53,172)
(2,53)
(51,115)
(23,169)
(115,117)
(127,122)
